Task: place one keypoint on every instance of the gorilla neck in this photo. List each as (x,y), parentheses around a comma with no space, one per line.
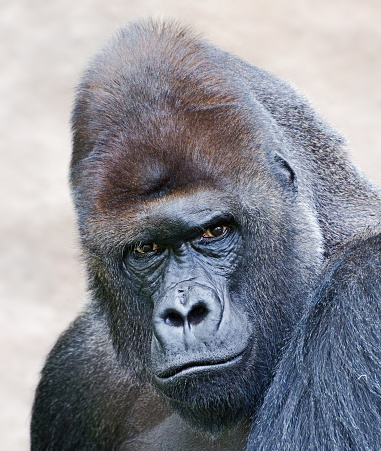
(215,417)
(162,437)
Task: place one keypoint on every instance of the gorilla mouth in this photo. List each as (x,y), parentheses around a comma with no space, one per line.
(198,366)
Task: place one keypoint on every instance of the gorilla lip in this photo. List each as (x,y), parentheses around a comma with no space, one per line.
(195,367)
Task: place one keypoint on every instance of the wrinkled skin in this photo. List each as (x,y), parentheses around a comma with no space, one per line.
(218,218)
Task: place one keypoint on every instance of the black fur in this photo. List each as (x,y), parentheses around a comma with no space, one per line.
(327,390)
(233,259)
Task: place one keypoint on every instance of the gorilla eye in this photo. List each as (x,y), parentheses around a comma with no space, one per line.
(214,232)
(146,248)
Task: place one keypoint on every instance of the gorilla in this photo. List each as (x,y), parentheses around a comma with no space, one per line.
(233,258)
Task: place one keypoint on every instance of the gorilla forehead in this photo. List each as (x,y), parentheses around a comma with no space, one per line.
(163,105)
(181,157)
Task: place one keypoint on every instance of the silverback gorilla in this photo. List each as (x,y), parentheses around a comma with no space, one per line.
(233,256)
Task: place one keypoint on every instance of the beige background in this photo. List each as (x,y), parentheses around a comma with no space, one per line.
(329,49)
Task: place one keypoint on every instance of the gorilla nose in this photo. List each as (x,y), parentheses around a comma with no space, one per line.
(188,307)
(195,316)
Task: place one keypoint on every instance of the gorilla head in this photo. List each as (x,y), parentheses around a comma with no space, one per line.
(199,225)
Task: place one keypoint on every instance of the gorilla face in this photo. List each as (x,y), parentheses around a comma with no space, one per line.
(185,275)
(182,268)
(200,247)
(197,289)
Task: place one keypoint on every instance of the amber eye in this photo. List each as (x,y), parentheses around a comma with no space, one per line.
(214,232)
(146,248)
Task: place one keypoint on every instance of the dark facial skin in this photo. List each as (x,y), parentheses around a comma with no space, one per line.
(182,267)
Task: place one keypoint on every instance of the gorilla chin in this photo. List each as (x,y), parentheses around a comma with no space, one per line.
(202,396)
(199,391)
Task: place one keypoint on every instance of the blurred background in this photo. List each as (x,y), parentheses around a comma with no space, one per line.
(330,50)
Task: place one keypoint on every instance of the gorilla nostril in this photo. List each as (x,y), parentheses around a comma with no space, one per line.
(173,319)
(197,314)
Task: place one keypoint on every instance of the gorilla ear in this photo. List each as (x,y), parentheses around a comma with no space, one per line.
(286,175)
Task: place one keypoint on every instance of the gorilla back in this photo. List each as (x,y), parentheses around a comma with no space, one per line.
(233,261)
